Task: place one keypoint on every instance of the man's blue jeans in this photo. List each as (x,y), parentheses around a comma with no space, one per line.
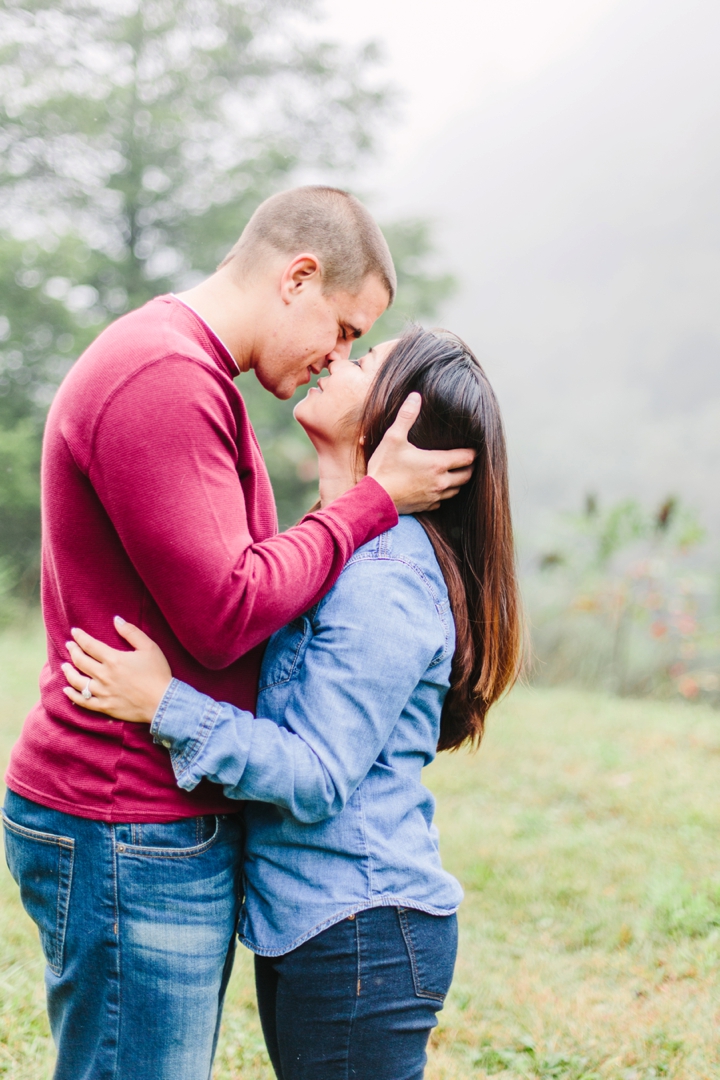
(137,923)
(359,999)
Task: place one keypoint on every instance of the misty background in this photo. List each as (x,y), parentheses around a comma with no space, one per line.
(546,174)
(578,206)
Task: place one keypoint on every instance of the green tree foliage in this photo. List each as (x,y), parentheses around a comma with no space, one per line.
(137,137)
(135,140)
(19,498)
(152,129)
(44,322)
(42,329)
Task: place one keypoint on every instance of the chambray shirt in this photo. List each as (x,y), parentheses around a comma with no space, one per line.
(348,715)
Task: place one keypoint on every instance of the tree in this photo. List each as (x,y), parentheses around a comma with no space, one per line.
(137,137)
(135,140)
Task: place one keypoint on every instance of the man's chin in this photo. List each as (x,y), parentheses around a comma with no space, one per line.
(282,390)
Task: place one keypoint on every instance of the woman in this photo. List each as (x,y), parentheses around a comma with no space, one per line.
(347,908)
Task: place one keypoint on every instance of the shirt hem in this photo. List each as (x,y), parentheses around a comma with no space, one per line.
(116,815)
(382,901)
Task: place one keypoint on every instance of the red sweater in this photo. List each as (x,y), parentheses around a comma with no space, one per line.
(157,506)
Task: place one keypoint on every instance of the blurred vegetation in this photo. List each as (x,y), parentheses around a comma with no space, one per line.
(627,599)
(135,141)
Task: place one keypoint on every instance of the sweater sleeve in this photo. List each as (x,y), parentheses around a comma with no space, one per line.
(165,463)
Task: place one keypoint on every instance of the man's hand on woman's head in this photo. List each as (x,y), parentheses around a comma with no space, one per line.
(124,685)
(417,480)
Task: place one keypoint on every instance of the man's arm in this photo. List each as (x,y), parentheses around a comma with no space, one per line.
(165,465)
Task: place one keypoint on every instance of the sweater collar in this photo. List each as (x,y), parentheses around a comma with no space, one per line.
(225,355)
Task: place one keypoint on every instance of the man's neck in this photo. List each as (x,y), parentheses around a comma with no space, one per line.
(228,312)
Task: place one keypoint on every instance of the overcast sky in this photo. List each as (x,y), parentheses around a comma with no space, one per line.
(567,153)
(454,55)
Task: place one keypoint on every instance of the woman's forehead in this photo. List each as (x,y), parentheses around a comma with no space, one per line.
(381,350)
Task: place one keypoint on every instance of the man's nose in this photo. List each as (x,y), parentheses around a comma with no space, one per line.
(319,365)
(340,352)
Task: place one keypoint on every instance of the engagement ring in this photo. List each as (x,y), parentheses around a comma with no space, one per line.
(86,692)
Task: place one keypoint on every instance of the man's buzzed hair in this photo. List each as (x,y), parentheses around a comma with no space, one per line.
(326,222)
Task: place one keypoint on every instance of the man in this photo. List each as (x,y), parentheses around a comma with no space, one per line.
(157,506)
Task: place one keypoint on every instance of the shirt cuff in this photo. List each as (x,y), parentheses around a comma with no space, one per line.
(183,723)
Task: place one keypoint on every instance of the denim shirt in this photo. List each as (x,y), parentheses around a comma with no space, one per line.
(348,715)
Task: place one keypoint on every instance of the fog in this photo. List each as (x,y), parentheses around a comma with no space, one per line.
(580,213)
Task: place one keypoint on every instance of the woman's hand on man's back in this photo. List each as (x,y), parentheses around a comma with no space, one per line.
(121,684)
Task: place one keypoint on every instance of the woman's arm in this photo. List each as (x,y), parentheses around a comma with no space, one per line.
(375,635)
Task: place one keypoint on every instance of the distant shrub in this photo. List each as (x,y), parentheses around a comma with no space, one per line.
(626,600)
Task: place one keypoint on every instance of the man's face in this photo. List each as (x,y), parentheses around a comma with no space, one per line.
(312,329)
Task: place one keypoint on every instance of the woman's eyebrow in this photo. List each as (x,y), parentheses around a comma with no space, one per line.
(359,360)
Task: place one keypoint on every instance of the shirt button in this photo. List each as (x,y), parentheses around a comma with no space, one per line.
(166,743)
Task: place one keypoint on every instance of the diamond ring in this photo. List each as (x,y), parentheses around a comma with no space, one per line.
(86,692)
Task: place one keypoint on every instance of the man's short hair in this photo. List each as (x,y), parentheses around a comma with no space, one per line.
(327,222)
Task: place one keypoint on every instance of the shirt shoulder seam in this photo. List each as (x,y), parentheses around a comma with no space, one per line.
(440,604)
(386,556)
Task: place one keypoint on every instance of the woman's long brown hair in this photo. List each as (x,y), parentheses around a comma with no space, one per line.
(472,532)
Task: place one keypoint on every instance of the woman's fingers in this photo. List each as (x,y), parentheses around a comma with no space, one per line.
(97,649)
(126,684)
(83,661)
(78,683)
(132,634)
(74,677)
(92,703)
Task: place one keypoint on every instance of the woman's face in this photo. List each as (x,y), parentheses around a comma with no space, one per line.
(331,410)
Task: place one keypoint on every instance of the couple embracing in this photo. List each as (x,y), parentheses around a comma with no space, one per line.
(183,778)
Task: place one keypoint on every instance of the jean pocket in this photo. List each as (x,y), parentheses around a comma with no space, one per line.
(431,942)
(168,840)
(42,865)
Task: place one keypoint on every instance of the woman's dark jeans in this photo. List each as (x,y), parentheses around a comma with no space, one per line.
(359,999)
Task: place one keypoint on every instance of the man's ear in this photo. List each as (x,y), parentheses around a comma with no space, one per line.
(304,270)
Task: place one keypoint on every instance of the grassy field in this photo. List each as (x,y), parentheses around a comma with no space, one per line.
(586,836)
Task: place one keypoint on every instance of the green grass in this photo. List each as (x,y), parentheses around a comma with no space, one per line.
(585,834)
